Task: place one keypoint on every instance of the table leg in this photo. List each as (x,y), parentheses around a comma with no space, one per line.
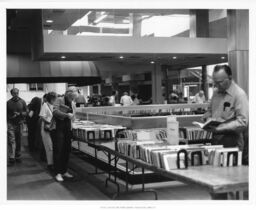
(96,157)
(236,195)
(126,176)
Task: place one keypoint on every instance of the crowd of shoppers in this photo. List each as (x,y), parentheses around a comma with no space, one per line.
(48,119)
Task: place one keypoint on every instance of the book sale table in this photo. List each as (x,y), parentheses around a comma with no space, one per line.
(220,182)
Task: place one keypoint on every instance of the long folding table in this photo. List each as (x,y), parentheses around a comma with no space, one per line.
(220,182)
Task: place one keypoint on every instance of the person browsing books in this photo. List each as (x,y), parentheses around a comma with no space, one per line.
(228,105)
(63,112)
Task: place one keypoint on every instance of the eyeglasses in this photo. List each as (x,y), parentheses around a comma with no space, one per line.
(219,82)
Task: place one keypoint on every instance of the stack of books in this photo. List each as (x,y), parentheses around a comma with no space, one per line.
(194,133)
(144,134)
(86,130)
(130,147)
(165,156)
(225,157)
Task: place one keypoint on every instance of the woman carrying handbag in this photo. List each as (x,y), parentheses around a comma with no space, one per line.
(48,124)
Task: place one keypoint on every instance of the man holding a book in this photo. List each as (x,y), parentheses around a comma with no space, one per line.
(229,106)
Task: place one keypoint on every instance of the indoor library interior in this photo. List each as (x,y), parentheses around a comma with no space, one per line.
(127,104)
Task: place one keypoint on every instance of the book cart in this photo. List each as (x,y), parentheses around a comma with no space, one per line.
(133,169)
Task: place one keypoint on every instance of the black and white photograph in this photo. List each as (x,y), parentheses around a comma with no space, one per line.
(124,104)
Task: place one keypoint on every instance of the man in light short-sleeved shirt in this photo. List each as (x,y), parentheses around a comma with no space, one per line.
(229,103)
(126,100)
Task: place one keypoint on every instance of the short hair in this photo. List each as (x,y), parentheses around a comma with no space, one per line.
(226,68)
(44,96)
(71,90)
(50,96)
(12,90)
(113,92)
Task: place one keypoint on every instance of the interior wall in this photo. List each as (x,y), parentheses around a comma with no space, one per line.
(123,45)
(23,66)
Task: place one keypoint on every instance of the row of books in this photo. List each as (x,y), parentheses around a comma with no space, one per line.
(187,133)
(170,157)
(194,133)
(225,157)
(87,130)
(144,134)
(131,148)
(163,112)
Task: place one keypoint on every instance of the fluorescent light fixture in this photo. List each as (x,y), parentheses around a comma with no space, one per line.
(63,57)
(174,57)
(99,19)
(113,25)
(152,62)
(121,57)
(101,34)
(49,21)
(223,57)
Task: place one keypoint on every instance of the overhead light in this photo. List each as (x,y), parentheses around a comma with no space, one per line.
(63,57)
(113,25)
(121,57)
(152,62)
(102,17)
(174,57)
(49,21)
(223,57)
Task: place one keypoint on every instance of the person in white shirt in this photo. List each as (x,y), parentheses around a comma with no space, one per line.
(112,99)
(135,100)
(47,125)
(200,97)
(126,100)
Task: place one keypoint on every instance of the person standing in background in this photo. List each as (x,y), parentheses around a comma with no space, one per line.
(16,113)
(126,100)
(112,99)
(48,124)
(63,112)
(135,100)
(200,97)
(32,120)
(80,100)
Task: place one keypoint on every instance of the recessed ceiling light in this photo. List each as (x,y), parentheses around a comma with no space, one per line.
(223,57)
(121,57)
(49,21)
(152,62)
(63,57)
(174,57)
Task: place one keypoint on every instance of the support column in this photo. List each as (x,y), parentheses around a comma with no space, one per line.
(136,19)
(204,85)
(157,95)
(167,84)
(199,23)
(238,46)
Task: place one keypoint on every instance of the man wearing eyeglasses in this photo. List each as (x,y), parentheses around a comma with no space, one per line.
(229,104)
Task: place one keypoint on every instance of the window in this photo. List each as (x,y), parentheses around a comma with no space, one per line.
(36,87)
